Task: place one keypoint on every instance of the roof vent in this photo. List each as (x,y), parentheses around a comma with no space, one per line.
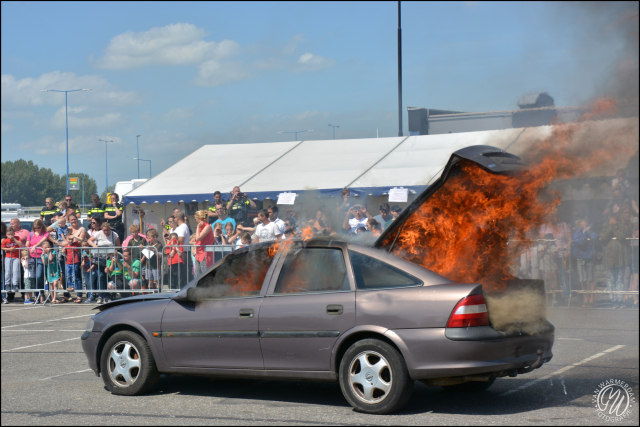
(536,100)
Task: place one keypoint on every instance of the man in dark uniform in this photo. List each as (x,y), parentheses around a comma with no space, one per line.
(238,204)
(70,203)
(97,209)
(47,213)
(217,204)
(113,213)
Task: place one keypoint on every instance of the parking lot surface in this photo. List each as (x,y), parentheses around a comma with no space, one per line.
(46,381)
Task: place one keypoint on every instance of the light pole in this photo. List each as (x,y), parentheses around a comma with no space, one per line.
(143,160)
(66,119)
(106,164)
(296,132)
(138,150)
(399,72)
(334,130)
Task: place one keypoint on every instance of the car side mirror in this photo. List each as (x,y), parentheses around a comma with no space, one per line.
(191,294)
(185,296)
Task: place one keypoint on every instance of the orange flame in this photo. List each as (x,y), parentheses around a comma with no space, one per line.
(463,230)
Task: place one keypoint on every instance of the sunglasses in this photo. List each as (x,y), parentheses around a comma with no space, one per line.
(68,200)
(37,228)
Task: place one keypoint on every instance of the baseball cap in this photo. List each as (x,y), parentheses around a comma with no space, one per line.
(396,208)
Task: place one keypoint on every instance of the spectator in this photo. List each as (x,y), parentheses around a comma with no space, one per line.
(223,219)
(213,209)
(266,231)
(204,237)
(385,216)
(51,270)
(245,240)
(89,271)
(70,203)
(47,212)
(58,230)
(3,236)
(62,207)
(154,260)
(620,182)
(136,243)
(113,215)
(360,230)
(125,273)
(73,255)
(11,246)
(186,219)
(374,227)
(238,204)
(96,225)
(35,240)
(613,237)
(634,264)
(583,250)
(167,228)
(547,250)
(29,268)
(616,202)
(103,239)
(273,217)
(230,235)
(319,223)
(290,231)
(22,234)
(175,254)
(562,234)
(182,230)
(98,209)
(343,204)
(360,218)
(395,212)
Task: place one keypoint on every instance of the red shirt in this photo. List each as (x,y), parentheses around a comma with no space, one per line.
(72,256)
(177,258)
(7,243)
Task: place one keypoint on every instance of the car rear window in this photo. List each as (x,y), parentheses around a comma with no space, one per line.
(313,270)
(241,275)
(371,273)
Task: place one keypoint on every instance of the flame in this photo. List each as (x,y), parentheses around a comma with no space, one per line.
(472,228)
(307,233)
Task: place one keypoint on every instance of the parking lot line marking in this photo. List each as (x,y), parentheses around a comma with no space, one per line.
(20,309)
(45,321)
(562,370)
(68,373)
(36,345)
(30,330)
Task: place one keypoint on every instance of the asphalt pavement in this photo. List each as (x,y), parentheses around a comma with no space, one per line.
(46,381)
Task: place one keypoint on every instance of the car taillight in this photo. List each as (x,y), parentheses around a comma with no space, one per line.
(471,311)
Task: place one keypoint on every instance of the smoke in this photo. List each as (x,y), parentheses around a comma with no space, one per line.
(522,310)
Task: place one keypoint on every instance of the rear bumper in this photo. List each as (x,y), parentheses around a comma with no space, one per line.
(429,353)
(90,342)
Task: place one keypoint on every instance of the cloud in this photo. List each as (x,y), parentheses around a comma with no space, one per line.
(292,45)
(49,145)
(310,62)
(27,91)
(178,114)
(79,120)
(306,115)
(216,73)
(174,44)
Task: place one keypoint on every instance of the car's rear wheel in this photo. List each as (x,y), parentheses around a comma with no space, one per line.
(469,387)
(374,377)
(127,364)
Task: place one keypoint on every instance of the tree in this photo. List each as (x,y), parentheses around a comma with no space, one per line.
(25,183)
(103,196)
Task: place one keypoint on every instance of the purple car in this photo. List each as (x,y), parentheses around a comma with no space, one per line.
(321,310)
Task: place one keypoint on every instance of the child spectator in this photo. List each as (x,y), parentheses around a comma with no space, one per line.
(136,243)
(72,261)
(175,252)
(29,267)
(51,270)
(125,273)
(88,269)
(154,260)
(245,240)
(11,246)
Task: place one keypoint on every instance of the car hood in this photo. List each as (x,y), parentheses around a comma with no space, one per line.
(137,298)
(490,158)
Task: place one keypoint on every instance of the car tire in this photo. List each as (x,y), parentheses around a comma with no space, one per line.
(127,364)
(374,377)
(469,386)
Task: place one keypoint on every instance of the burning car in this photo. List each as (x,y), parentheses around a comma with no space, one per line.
(369,317)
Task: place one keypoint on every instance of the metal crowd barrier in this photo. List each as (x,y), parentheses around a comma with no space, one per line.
(94,280)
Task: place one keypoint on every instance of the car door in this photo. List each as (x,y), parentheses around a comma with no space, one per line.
(310,303)
(218,326)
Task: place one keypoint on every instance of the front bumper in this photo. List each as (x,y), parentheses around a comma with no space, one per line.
(429,353)
(90,342)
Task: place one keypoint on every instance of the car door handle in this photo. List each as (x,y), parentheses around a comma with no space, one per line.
(246,313)
(334,309)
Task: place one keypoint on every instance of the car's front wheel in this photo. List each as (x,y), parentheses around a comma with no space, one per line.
(127,364)
(374,377)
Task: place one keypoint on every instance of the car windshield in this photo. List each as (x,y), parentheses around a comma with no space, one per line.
(241,275)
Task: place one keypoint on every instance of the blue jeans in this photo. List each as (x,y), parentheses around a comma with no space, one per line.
(96,280)
(614,283)
(74,277)
(39,276)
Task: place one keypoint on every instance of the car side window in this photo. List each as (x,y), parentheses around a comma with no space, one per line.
(241,275)
(313,270)
(371,273)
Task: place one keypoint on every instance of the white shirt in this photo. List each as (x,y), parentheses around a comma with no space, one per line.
(267,233)
(354,223)
(183,231)
(280,224)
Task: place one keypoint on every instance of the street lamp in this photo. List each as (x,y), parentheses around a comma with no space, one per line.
(334,130)
(143,160)
(138,149)
(66,119)
(296,132)
(106,166)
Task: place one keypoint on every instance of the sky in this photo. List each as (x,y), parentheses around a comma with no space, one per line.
(182,75)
